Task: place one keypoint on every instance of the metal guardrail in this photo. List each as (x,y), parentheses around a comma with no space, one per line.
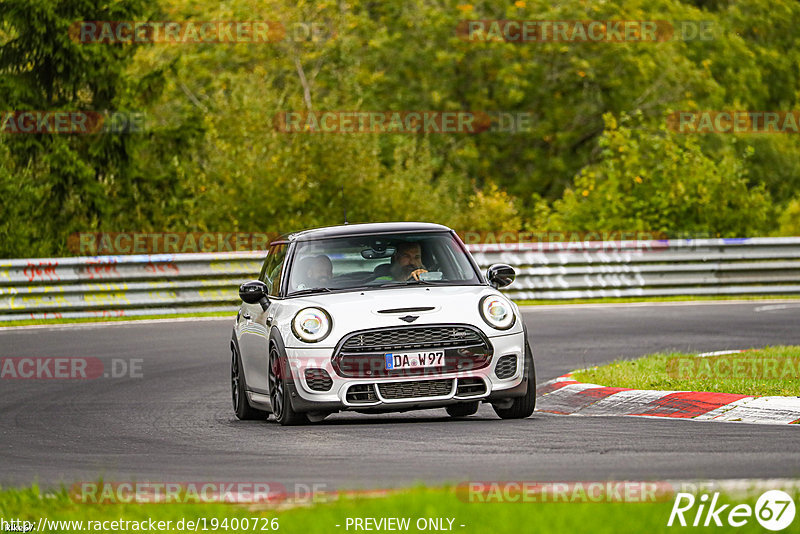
(158,284)
(117,286)
(694,267)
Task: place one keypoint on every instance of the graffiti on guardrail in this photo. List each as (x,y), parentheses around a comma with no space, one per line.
(93,269)
(168,267)
(232,267)
(41,270)
(116,298)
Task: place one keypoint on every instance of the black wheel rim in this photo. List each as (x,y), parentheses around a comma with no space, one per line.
(235,381)
(275,384)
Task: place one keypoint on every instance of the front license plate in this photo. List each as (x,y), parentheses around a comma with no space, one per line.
(414,360)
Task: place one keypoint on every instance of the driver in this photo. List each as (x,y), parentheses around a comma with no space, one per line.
(407,262)
(315,271)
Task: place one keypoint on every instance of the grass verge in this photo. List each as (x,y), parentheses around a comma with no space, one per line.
(441,504)
(769,371)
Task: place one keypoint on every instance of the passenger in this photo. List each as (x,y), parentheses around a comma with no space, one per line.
(314,271)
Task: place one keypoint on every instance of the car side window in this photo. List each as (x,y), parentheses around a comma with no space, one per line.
(272,268)
(265,268)
(263,274)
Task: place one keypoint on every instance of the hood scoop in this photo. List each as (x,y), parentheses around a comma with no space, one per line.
(407,310)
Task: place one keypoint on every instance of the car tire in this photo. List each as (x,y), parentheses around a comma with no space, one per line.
(463,409)
(279,375)
(241,406)
(522,407)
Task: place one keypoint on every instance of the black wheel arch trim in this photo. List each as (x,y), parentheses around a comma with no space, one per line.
(276,339)
(235,346)
(521,389)
(243,376)
(299,404)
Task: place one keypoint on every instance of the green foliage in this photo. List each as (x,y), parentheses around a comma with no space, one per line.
(210,157)
(790,219)
(490,209)
(55,184)
(662,181)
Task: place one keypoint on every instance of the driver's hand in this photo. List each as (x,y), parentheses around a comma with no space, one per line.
(415,274)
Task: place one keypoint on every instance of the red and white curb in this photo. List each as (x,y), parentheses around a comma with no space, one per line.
(565,395)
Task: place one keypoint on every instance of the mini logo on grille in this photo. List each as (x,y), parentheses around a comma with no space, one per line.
(409,318)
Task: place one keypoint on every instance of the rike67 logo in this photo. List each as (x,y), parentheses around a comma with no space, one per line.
(774,510)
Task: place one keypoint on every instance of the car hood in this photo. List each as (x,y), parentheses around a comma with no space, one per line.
(359,310)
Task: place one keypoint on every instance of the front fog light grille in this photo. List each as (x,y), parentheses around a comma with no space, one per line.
(361,393)
(506,366)
(468,387)
(318,379)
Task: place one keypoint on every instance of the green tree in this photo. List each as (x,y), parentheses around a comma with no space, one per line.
(661,182)
(211,158)
(790,219)
(76,182)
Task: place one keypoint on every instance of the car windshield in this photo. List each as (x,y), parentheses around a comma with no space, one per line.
(379,260)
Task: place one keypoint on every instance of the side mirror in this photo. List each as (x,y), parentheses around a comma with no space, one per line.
(254,292)
(500,275)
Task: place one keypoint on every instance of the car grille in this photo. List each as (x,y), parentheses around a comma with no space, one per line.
(409,338)
(318,379)
(506,366)
(412,390)
(363,354)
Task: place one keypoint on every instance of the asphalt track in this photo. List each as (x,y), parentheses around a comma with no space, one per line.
(175,422)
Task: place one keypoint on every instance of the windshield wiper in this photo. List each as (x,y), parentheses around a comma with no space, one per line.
(310,290)
(406,283)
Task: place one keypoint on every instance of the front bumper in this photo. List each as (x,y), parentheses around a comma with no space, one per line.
(406,393)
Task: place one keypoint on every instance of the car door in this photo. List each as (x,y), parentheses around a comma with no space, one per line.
(252,323)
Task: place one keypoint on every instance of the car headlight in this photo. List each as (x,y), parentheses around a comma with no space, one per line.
(497,312)
(311,325)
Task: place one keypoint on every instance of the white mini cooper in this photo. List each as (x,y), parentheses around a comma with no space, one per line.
(378,318)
